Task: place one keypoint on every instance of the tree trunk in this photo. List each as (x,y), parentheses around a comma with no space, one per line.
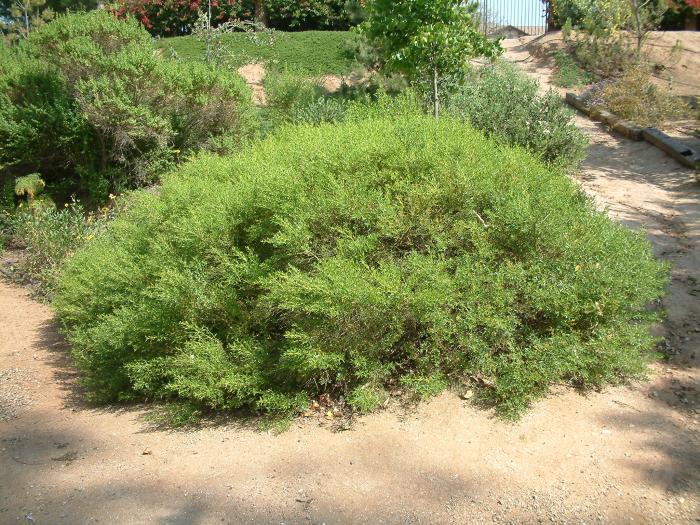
(207,53)
(259,8)
(639,31)
(26,16)
(103,151)
(436,94)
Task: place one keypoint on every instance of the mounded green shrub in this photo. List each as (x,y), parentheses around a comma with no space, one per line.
(345,258)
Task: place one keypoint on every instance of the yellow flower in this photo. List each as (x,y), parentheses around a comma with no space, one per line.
(112,196)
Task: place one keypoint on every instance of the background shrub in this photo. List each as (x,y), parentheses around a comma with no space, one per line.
(338,258)
(41,125)
(292,98)
(507,105)
(635,97)
(299,15)
(88,105)
(174,17)
(49,236)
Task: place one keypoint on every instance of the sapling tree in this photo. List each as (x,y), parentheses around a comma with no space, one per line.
(645,16)
(216,51)
(427,40)
(19,17)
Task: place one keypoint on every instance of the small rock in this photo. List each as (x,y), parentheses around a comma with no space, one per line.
(147,452)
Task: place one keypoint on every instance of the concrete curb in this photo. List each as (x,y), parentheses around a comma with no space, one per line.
(673,147)
(629,130)
(577,102)
(685,155)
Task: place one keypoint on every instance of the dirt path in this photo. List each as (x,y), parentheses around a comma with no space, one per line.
(254,76)
(625,455)
(622,456)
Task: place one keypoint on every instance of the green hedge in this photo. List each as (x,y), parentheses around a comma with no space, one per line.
(344,258)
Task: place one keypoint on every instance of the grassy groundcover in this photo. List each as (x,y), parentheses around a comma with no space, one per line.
(345,258)
(309,52)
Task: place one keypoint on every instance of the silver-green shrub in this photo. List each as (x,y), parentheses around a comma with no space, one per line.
(507,105)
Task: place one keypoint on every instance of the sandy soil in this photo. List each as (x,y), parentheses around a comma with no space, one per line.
(254,76)
(624,455)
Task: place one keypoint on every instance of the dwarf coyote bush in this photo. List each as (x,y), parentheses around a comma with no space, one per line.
(344,258)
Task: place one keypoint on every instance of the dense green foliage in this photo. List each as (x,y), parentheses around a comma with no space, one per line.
(176,17)
(506,104)
(426,40)
(310,52)
(87,104)
(498,99)
(307,14)
(337,258)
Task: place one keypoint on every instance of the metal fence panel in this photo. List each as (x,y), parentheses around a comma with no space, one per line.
(513,18)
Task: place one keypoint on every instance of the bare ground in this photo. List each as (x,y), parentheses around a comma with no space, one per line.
(254,76)
(624,455)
